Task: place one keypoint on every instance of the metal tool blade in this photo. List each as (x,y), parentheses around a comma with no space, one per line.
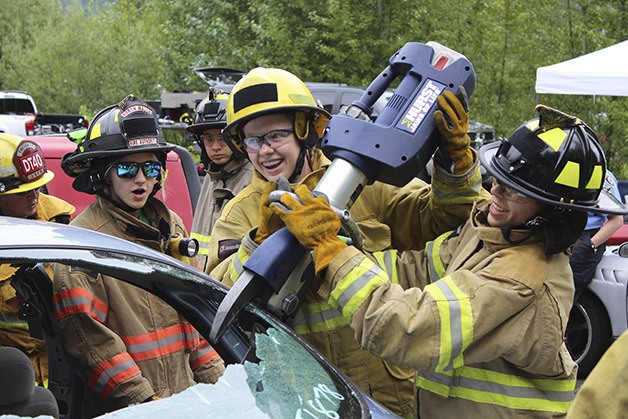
(243,291)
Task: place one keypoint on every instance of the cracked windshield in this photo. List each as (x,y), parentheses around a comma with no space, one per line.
(287,383)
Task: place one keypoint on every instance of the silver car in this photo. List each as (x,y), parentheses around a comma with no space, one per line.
(271,371)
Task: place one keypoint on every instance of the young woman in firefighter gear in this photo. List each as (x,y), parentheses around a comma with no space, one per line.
(23,172)
(126,344)
(273,118)
(226,173)
(481,312)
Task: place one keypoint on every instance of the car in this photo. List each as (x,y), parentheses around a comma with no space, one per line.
(271,371)
(601,314)
(180,192)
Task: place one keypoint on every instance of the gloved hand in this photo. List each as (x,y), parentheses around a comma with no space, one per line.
(452,120)
(313,223)
(268,222)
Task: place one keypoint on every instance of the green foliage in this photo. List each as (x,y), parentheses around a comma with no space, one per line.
(86,55)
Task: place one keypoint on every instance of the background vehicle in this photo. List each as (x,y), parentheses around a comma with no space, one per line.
(601,314)
(17,113)
(180,191)
(19,116)
(280,376)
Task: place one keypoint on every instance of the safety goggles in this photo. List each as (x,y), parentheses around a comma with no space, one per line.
(273,139)
(130,169)
(507,192)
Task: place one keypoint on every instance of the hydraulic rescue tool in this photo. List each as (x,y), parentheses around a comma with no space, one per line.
(392,149)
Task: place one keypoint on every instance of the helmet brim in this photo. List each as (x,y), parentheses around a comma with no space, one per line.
(25,187)
(200,128)
(607,203)
(71,159)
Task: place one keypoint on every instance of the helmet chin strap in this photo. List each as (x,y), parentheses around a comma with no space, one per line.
(532,225)
(298,168)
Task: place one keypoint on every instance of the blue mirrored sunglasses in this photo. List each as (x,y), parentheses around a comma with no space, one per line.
(129,169)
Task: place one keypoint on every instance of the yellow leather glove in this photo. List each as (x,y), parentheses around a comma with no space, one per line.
(313,223)
(452,120)
(268,222)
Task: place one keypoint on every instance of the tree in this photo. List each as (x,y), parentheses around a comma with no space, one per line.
(91,55)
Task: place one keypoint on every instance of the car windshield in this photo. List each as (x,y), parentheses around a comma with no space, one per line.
(270,373)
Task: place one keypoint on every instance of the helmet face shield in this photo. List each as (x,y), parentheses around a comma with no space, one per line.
(555,159)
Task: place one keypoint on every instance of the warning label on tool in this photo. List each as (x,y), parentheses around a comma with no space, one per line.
(421,106)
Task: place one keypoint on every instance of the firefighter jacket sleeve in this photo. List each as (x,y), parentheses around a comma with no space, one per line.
(51,208)
(466,308)
(205,362)
(604,393)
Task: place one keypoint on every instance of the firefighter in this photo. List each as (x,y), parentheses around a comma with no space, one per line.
(226,173)
(604,392)
(481,312)
(127,345)
(23,172)
(273,119)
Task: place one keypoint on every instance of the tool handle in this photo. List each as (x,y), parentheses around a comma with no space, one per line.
(274,259)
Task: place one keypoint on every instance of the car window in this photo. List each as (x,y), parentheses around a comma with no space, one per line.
(285,381)
(327,98)
(16,106)
(349,97)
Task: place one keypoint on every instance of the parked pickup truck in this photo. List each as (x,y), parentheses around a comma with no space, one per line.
(19,116)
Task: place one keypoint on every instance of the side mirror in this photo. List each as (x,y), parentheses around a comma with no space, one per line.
(623,250)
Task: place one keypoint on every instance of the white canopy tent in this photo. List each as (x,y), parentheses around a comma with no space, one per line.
(600,73)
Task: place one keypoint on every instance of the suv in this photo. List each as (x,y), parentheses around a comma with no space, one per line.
(333,96)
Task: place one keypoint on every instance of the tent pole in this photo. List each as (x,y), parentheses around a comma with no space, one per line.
(538,98)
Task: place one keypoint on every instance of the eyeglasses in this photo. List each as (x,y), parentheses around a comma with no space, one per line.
(129,169)
(36,190)
(273,139)
(210,139)
(508,193)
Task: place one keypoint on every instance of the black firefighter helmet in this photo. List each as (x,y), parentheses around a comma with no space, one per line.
(128,127)
(210,113)
(556,159)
